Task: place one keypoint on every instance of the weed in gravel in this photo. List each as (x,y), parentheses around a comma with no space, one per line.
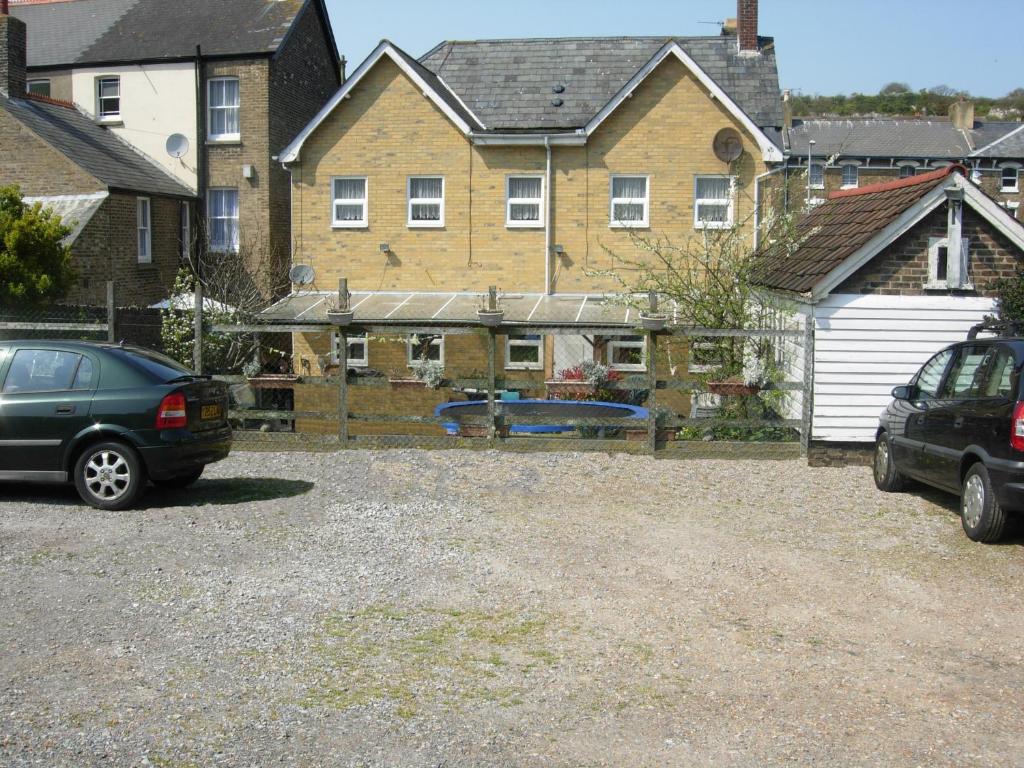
(423,657)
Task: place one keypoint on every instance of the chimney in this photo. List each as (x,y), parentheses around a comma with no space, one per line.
(961,115)
(787,110)
(746,23)
(12,54)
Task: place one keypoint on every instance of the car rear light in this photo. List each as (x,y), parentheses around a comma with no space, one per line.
(1017,427)
(171,413)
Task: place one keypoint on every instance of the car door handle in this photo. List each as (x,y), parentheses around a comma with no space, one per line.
(65,410)
(958,422)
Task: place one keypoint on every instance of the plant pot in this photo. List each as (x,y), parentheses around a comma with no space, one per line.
(340,317)
(490,318)
(274,381)
(407,384)
(653,322)
(732,388)
(568,390)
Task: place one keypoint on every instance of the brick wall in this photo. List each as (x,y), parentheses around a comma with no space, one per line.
(823,454)
(36,167)
(902,268)
(388,131)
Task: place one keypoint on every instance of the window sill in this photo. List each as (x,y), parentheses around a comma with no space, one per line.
(947,287)
(530,225)
(425,225)
(536,367)
(228,141)
(110,122)
(354,225)
(1012,190)
(711,225)
(849,186)
(638,225)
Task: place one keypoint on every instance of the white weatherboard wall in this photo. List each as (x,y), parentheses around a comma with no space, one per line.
(866,345)
(156,101)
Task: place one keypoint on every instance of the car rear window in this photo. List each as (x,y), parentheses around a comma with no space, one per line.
(159,367)
(41,370)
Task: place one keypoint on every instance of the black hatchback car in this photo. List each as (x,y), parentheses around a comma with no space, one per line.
(107,417)
(959,426)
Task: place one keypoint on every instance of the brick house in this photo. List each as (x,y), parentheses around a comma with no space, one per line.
(124,210)
(858,152)
(528,165)
(211,91)
(888,275)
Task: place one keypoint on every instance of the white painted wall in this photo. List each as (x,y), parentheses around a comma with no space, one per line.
(866,345)
(156,101)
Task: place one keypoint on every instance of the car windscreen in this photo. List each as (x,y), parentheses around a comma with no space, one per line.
(158,367)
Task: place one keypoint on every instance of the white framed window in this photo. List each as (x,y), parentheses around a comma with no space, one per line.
(426,201)
(524,201)
(524,353)
(851,176)
(223,102)
(627,353)
(349,201)
(222,215)
(185,221)
(816,176)
(39,87)
(144,226)
(422,348)
(1010,180)
(630,201)
(713,202)
(907,171)
(939,264)
(358,350)
(108,98)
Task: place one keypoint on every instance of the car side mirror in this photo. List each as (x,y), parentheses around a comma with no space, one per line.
(903,392)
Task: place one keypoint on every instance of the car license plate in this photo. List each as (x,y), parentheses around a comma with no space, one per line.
(210,412)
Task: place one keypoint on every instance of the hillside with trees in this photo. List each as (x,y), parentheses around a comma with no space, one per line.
(899,99)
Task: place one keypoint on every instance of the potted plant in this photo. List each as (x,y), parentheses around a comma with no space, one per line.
(489,313)
(590,380)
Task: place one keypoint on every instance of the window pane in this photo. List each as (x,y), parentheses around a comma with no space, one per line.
(961,380)
(426,188)
(931,374)
(629,187)
(942,264)
(629,212)
(83,379)
(426,212)
(39,87)
(349,189)
(524,353)
(524,212)
(906,171)
(713,213)
(109,88)
(817,175)
(230,92)
(524,188)
(712,188)
(348,212)
(627,355)
(35,370)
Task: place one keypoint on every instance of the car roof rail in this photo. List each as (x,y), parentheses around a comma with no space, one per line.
(998,327)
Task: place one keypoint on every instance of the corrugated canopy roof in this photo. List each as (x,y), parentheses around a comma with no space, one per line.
(455,309)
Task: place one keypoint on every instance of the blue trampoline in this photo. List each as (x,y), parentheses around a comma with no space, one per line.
(566,409)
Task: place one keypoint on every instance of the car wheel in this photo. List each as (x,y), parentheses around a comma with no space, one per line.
(109,476)
(180,481)
(982,517)
(887,477)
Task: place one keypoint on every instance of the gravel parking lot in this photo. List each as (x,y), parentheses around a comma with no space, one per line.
(413,608)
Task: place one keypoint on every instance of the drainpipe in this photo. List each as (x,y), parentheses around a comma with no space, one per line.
(547,218)
(757,202)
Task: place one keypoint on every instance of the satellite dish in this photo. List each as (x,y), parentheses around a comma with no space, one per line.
(728,145)
(177,145)
(301,274)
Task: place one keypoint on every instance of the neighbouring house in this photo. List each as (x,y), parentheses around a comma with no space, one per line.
(859,152)
(211,90)
(530,165)
(125,210)
(888,275)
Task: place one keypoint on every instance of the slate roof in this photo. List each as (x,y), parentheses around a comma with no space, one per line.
(98,31)
(439,87)
(508,83)
(835,230)
(881,137)
(93,147)
(74,210)
(1009,145)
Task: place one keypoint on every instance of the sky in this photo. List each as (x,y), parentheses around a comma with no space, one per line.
(822,46)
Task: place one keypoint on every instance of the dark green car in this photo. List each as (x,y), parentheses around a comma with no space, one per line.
(107,417)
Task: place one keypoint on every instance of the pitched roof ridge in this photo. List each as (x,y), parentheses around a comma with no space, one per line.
(569,38)
(998,141)
(49,100)
(887,186)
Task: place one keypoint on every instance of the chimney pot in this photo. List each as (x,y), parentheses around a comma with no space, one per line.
(13,42)
(746,22)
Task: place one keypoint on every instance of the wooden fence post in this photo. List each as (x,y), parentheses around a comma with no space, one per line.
(343,387)
(652,387)
(490,383)
(111,313)
(807,401)
(197,348)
